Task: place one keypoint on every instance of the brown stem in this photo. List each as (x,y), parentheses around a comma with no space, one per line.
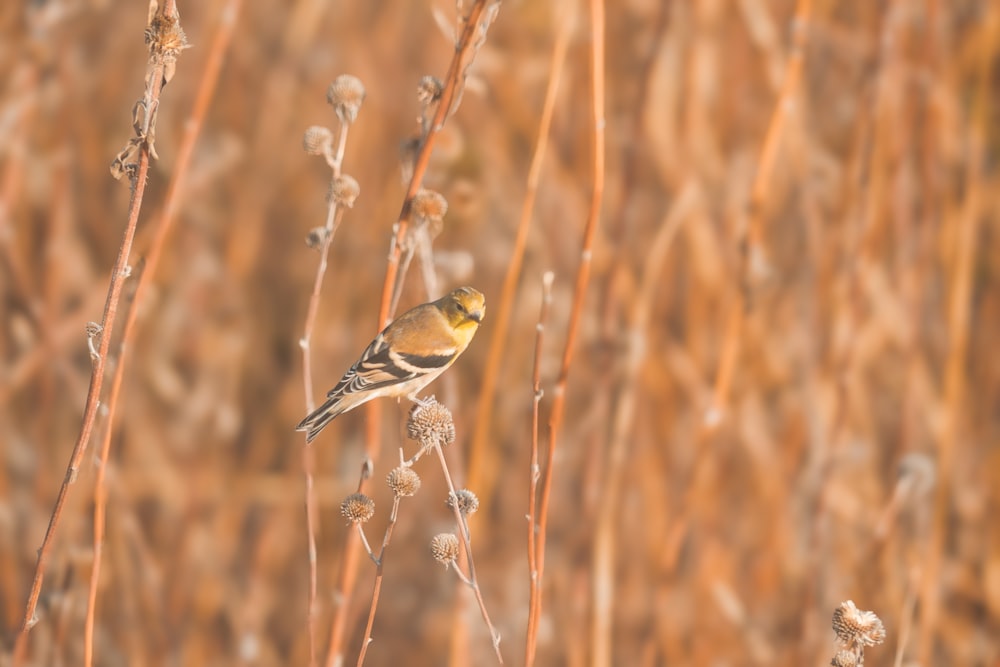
(206,90)
(118,276)
(379,575)
(582,276)
(482,457)
(534,591)
(463,526)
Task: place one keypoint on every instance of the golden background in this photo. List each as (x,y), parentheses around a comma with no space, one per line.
(772,428)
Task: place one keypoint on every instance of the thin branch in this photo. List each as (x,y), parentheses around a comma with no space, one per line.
(334,215)
(534,591)
(482,467)
(582,277)
(463,525)
(158,71)
(379,575)
(476,23)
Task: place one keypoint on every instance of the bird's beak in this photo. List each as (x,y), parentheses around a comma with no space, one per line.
(476,315)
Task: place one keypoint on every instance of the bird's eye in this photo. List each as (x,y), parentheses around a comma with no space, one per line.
(460,307)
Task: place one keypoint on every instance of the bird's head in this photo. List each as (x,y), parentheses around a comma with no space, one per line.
(464,308)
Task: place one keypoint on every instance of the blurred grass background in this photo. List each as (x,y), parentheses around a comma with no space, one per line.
(856,442)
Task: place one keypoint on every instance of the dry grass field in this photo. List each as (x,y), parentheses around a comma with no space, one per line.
(770,365)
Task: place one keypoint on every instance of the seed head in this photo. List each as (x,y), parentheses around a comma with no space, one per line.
(466,501)
(844,659)
(444,547)
(315,237)
(429,205)
(345,95)
(317,140)
(430,423)
(344,190)
(403,481)
(856,627)
(357,508)
(429,90)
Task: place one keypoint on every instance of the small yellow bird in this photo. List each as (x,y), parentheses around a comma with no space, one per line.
(408,355)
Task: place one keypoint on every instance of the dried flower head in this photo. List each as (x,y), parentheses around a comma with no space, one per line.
(429,205)
(403,481)
(844,659)
(316,237)
(164,35)
(429,90)
(344,190)
(345,95)
(430,423)
(444,547)
(466,500)
(856,627)
(317,140)
(357,508)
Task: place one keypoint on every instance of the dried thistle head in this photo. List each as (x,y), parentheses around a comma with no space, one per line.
(430,423)
(429,90)
(844,659)
(344,190)
(345,95)
(316,237)
(357,508)
(466,501)
(855,627)
(404,481)
(317,140)
(429,205)
(444,547)
(164,34)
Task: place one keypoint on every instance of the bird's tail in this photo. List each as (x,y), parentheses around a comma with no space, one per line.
(320,417)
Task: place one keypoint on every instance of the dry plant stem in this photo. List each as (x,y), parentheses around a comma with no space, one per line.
(739,303)
(119,274)
(90,410)
(582,278)
(463,525)
(608,520)
(345,583)
(906,616)
(534,592)
(464,48)
(482,471)
(772,141)
(454,80)
(334,214)
(379,572)
(959,315)
(209,80)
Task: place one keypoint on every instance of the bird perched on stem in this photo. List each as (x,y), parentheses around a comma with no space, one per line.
(408,355)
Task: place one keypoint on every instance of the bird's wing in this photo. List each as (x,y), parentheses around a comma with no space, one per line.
(380,367)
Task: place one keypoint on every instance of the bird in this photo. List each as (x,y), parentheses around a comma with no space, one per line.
(405,357)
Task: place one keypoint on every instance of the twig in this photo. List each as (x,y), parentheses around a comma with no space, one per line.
(960,297)
(785,106)
(740,301)
(534,592)
(155,78)
(334,214)
(463,525)
(634,353)
(476,23)
(482,467)
(582,277)
(206,90)
(379,575)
